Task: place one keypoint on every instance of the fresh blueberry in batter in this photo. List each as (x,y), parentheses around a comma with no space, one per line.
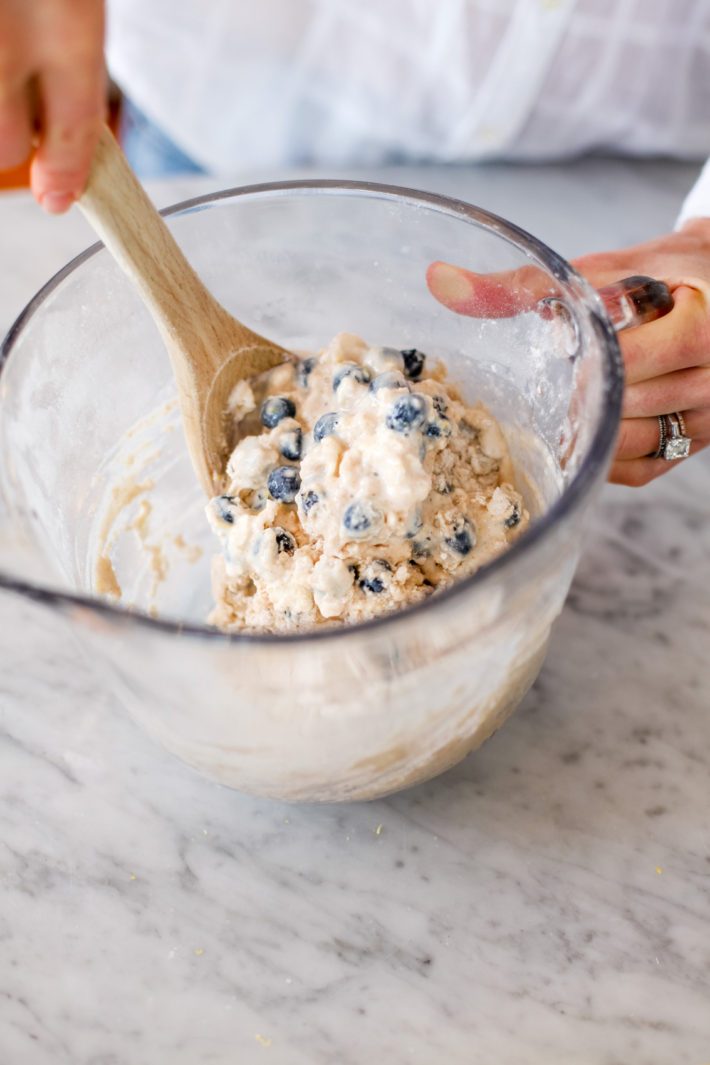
(413,363)
(325,426)
(463,538)
(359,518)
(407,413)
(371,584)
(305,369)
(291,444)
(422,548)
(308,501)
(351,369)
(371,581)
(258,499)
(225,507)
(440,405)
(275,408)
(283,483)
(415,524)
(285,543)
(513,519)
(388,379)
(436,429)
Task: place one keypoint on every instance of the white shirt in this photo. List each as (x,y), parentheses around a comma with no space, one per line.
(240,85)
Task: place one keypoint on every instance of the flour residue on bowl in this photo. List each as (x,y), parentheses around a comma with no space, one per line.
(134,547)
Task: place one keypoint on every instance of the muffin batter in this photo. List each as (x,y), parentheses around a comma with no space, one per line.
(368,484)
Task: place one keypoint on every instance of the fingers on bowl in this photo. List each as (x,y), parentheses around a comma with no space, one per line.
(640,471)
(494,295)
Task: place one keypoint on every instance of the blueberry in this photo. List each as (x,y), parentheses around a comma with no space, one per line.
(421,548)
(325,426)
(406,413)
(225,508)
(461,542)
(371,584)
(388,379)
(283,483)
(434,430)
(370,581)
(308,501)
(305,369)
(359,518)
(464,536)
(350,369)
(413,363)
(291,444)
(416,523)
(285,543)
(440,405)
(258,499)
(514,518)
(275,408)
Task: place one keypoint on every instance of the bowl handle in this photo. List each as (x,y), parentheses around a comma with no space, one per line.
(635,300)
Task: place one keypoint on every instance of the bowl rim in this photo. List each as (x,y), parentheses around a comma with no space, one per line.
(571,497)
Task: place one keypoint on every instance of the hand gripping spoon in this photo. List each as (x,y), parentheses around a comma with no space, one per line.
(210,351)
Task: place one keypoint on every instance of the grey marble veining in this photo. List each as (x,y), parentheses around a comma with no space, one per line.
(547,901)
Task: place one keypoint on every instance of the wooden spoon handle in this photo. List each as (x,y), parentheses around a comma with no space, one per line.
(209,349)
(193,324)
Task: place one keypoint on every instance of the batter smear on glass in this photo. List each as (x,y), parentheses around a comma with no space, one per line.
(368,484)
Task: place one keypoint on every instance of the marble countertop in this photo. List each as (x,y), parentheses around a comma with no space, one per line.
(547,901)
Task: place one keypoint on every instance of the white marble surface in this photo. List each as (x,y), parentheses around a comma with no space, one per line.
(548,901)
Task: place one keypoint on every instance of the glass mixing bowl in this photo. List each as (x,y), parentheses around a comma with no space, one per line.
(98,485)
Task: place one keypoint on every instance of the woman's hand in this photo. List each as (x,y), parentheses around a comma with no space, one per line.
(667,361)
(52,92)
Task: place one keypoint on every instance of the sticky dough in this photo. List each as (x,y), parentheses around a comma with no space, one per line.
(367,485)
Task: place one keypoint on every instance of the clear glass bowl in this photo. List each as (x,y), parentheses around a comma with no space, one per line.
(96,479)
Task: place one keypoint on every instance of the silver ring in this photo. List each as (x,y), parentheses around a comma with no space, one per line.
(676,444)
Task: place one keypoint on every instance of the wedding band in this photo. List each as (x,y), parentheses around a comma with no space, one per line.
(661,437)
(676,444)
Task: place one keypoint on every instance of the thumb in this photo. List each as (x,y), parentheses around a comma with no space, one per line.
(498,295)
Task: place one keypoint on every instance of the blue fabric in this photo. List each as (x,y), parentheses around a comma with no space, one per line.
(148,150)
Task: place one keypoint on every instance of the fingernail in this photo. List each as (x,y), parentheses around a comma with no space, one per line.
(56,202)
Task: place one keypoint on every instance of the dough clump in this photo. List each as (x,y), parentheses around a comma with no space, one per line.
(367,484)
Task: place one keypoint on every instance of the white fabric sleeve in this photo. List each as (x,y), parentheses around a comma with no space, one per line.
(697,203)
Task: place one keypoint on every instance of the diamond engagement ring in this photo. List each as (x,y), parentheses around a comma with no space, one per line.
(673,444)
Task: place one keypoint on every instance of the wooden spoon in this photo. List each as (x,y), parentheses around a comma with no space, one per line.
(210,351)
